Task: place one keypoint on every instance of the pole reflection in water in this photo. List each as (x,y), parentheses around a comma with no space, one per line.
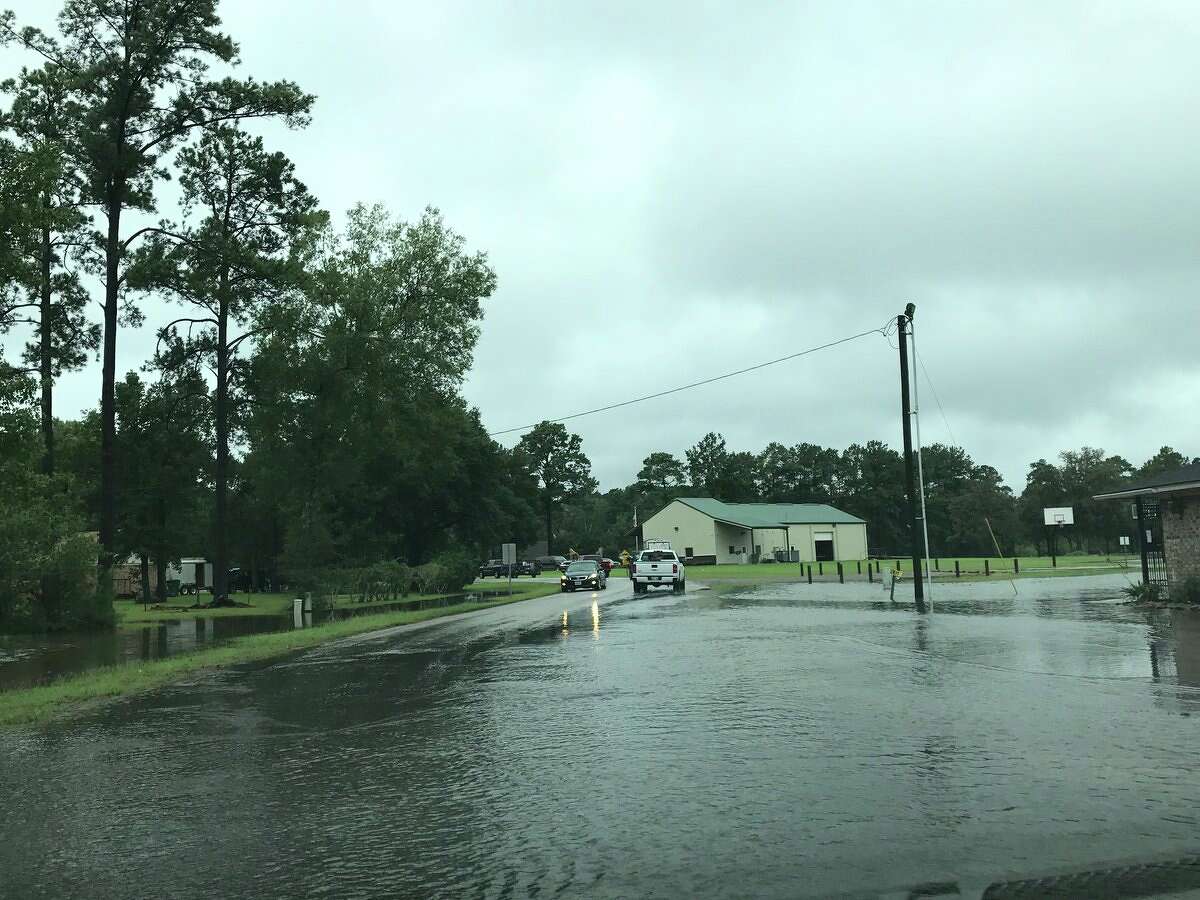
(565,630)
(595,618)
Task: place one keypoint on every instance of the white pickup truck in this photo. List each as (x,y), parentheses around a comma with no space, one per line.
(658,568)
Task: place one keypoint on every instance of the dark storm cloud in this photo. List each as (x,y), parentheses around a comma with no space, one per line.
(670,191)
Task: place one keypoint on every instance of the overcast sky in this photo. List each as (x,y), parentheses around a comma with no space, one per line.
(672,191)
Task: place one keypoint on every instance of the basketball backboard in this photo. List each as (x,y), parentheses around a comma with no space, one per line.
(1059,515)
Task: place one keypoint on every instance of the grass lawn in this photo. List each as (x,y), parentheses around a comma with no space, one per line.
(30,706)
(968,566)
(131,612)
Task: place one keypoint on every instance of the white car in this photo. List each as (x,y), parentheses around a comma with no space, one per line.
(658,568)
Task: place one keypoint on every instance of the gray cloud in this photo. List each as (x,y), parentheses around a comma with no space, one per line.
(755,181)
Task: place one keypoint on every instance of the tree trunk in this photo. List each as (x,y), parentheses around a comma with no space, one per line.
(220,580)
(160,556)
(108,396)
(145,560)
(549,533)
(46,371)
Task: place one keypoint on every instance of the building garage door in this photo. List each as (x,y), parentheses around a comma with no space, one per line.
(823,546)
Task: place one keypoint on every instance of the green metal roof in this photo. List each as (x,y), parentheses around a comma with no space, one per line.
(771,515)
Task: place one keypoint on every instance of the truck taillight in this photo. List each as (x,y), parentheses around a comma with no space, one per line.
(675,569)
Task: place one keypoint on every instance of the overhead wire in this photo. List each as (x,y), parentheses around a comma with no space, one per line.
(695,384)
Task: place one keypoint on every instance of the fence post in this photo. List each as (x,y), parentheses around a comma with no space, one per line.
(877,572)
(820,568)
(859,564)
(987,569)
(841,577)
(956,572)
(1016,566)
(870,573)
(937,564)
(810,573)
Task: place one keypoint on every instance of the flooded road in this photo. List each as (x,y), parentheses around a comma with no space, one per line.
(785,741)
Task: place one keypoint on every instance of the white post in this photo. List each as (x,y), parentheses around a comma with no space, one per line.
(912,333)
(298,613)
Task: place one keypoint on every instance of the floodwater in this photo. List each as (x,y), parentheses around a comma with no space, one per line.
(36,659)
(788,741)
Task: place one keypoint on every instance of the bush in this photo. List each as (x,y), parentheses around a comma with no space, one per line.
(448,573)
(1142,592)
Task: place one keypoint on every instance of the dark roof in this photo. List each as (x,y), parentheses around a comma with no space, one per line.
(1186,478)
(770,515)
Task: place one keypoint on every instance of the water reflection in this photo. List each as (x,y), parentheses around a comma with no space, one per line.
(34,659)
(595,618)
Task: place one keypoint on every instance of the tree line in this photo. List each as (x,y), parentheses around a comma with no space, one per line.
(971,511)
(302,408)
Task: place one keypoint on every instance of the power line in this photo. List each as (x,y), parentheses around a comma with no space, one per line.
(937,399)
(695,384)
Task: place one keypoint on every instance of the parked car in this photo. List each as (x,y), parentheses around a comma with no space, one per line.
(550,562)
(658,568)
(609,564)
(603,562)
(583,575)
(562,566)
(496,568)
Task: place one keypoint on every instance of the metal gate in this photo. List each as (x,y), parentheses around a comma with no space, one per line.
(1150,538)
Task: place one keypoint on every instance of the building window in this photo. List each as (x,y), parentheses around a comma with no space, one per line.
(731,550)
(688,552)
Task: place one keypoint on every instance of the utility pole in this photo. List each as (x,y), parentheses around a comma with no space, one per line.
(902,321)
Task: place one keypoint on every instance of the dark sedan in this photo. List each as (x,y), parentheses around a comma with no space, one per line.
(583,575)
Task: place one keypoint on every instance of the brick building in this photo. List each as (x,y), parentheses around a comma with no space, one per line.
(1167,510)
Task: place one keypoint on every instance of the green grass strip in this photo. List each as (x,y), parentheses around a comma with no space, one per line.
(74,693)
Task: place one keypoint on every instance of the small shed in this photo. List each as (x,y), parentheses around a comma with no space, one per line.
(1165,509)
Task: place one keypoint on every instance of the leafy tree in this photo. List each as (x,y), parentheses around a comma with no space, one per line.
(1085,473)
(738,481)
(141,69)
(1165,460)
(555,458)
(47,574)
(870,485)
(1044,487)
(238,255)
(708,464)
(44,116)
(164,452)
(357,430)
(661,472)
(803,473)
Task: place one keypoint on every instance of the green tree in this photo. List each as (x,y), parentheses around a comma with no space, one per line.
(357,430)
(803,473)
(164,443)
(1166,459)
(240,248)
(661,472)
(555,458)
(47,564)
(44,116)
(870,485)
(1085,473)
(141,69)
(708,464)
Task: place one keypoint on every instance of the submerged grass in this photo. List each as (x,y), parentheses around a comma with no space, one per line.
(38,704)
(132,612)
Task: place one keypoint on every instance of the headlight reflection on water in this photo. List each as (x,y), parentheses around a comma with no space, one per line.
(595,617)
